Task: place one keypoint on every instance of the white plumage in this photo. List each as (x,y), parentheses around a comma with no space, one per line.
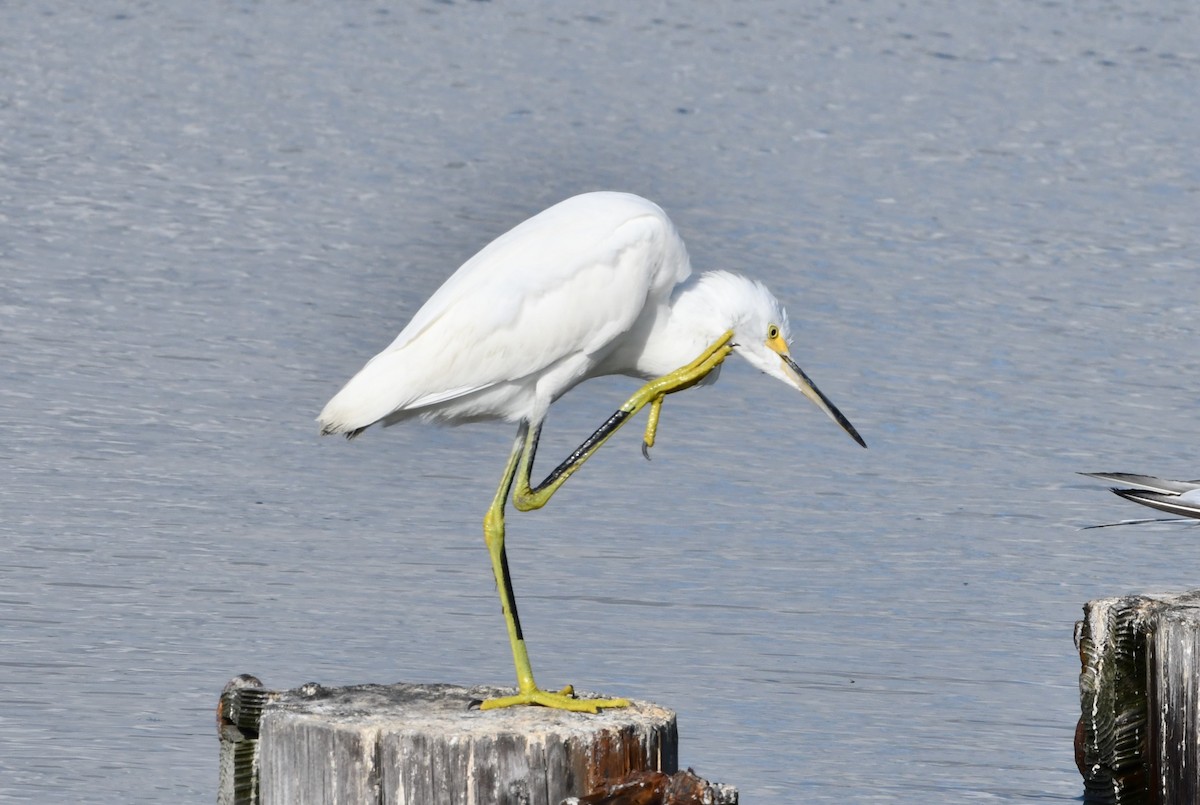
(597,284)
(542,303)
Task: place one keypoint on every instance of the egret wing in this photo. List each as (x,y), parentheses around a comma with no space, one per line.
(547,250)
(565,283)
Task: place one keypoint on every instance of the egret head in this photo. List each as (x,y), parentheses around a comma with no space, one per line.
(762,336)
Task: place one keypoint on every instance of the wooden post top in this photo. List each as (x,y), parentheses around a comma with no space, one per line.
(453,709)
(426,744)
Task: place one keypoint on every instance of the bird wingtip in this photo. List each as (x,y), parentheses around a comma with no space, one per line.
(329,428)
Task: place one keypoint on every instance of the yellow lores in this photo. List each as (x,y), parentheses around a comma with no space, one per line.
(599,284)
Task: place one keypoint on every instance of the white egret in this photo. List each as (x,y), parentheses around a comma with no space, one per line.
(1173,497)
(596,285)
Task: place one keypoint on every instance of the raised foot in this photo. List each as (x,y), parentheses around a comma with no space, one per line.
(562,700)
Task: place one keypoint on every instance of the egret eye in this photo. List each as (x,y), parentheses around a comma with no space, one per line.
(772,332)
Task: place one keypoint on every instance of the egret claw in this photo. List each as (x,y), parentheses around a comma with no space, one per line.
(561,700)
(652,425)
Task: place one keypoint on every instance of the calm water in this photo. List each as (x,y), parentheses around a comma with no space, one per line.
(982,218)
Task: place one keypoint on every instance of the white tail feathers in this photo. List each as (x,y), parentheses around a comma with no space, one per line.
(379,389)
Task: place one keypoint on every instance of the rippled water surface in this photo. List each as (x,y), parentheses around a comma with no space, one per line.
(981,216)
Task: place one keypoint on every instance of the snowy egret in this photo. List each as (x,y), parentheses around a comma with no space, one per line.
(1173,497)
(596,285)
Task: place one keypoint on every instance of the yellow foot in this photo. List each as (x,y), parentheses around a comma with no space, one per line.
(562,700)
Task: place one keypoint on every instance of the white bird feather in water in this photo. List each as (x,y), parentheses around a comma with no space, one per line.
(599,284)
(1173,497)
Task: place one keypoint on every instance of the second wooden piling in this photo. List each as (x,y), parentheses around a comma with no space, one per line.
(1139,732)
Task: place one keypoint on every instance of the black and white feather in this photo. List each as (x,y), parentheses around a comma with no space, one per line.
(1181,498)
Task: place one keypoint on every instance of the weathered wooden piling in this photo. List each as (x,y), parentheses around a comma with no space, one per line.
(239,712)
(1139,736)
(428,745)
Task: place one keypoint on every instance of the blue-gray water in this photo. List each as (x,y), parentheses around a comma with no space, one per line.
(981,216)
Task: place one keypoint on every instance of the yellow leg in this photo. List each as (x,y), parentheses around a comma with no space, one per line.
(520,464)
(527,498)
(527,690)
